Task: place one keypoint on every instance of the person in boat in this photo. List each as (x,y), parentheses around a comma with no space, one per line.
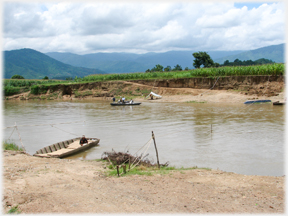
(123,99)
(151,96)
(131,101)
(83,140)
(113,99)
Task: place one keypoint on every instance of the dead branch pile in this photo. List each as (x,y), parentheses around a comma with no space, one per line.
(118,158)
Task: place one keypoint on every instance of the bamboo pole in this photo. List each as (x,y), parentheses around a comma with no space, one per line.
(118,170)
(156,150)
(124,168)
(20,137)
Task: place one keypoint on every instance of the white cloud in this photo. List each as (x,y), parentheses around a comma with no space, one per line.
(141,27)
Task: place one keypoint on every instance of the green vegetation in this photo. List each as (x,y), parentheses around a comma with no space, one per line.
(16,76)
(238,62)
(12,87)
(267,69)
(14,210)
(202,58)
(11,146)
(143,170)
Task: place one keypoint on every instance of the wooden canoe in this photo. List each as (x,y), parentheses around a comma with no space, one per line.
(125,104)
(279,103)
(66,148)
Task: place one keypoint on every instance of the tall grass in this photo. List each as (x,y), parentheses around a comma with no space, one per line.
(268,69)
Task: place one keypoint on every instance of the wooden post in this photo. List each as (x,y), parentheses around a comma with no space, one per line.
(124,168)
(129,162)
(117,170)
(156,149)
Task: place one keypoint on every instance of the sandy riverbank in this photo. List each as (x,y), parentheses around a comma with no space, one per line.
(43,185)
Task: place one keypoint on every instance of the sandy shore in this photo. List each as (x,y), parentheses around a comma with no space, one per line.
(47,185)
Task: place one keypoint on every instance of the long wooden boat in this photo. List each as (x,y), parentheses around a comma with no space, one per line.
(66,148)
(257,101)
(125,104)
(279,103)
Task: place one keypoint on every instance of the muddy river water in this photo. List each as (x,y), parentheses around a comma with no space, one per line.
(245,139)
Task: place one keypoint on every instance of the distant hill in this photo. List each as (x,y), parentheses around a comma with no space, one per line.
(128,62)
(274,53)
(32,64)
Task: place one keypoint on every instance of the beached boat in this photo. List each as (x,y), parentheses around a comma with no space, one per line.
(125,104)
(279,103)
(66,148)
(257,101)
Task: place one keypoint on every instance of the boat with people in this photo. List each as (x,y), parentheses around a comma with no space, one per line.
(126,103)
(257,101)
(66,148)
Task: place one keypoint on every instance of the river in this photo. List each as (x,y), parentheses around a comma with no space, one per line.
(245,139)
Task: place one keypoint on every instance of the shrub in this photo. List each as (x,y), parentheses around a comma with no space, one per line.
(16,76)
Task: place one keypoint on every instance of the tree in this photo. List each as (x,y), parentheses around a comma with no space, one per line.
(202,58)
(168,68)
(177,68)
(186,69)
(157,67)
(16,76)
(45,78)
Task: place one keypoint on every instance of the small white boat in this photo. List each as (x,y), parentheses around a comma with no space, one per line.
(152,95)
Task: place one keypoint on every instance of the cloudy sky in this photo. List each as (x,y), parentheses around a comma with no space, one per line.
(151,26)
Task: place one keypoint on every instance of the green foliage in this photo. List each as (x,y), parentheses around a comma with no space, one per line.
(168,68)
(16,76)
(202,58)
(177,68)
(46,78)
(238,62)
(11,146)
(14,210)
(270,69)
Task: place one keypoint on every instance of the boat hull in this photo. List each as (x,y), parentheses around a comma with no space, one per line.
(257,101)
(66,148)
(124,104)
(278,103)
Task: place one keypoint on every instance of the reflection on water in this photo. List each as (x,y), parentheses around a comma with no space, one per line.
(237,138)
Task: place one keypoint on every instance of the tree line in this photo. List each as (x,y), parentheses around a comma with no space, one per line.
(203,59)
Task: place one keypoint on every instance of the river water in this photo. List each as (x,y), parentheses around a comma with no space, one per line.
(245,139)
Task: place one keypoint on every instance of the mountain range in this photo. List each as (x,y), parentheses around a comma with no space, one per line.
(35,65)
(128,62)
(32,64)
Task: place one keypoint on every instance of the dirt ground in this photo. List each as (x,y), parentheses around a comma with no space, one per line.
(50,185)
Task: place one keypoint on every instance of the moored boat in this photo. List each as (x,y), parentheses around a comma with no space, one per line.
(66,148)
(257,101)
(279,103)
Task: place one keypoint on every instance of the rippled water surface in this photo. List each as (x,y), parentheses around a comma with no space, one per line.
(245,139)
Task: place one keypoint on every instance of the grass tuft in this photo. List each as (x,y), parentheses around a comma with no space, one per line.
(11,146)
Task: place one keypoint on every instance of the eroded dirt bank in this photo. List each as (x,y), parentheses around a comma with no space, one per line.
(43,185)
(237,89)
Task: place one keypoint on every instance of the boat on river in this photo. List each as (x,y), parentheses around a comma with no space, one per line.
(128,103)
(257,101)
(279,103)
(66,148)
